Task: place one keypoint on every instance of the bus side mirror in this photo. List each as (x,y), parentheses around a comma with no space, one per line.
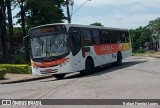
(26,42)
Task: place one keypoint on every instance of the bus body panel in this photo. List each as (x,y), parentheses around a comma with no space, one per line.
(78,62)
(65,67)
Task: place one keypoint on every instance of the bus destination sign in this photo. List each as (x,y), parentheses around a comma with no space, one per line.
(47,29)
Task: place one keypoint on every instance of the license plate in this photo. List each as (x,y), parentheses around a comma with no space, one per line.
(48,70)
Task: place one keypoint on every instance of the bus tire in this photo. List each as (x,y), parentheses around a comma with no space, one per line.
(59,76)
(119,59)
(89,67)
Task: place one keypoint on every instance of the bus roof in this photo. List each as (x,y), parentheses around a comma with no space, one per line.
(79,25)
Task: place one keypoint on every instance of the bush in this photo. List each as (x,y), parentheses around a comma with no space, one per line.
(139,51)
(2,73)
(29,70)
(19,59)
(15,68)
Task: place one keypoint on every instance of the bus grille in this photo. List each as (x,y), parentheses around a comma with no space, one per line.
(47,71)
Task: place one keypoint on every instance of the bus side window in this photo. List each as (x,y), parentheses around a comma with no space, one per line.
(105,37)
(112,36)
(123,35)
(86,34)
(118,37)
(75,40)
(96,37)
(127,37)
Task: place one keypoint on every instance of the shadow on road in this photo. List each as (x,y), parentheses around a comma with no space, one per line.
(102,70)
(99,71)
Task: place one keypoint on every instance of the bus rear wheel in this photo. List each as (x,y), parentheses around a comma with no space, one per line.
(119,59)
(59,76)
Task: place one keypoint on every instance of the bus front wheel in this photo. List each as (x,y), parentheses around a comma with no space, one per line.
(89,65)
(59,76)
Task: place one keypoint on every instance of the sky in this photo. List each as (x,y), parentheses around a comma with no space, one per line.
(129,14)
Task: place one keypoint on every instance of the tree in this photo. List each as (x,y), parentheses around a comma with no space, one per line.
(154,26)
(96,24)
(17,31)
(3,37)
(11,39)
(21,14)
(139,36)
(41,12)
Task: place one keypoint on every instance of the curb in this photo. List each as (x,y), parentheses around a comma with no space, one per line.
(155,56)
(152,56)
(24,80)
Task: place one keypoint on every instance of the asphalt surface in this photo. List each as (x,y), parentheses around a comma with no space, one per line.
(136,78)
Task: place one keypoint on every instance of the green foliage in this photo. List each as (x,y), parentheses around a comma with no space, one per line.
(97,24)
(2,73)
(145,34)
(19,69)
(43,12)
(154,26)
(19,59)
(29,70)
(140,51)
(17,31)
(139,36)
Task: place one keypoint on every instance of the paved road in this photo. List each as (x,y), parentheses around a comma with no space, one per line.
(137,78)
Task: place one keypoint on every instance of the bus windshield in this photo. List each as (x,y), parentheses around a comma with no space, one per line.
(49,41)
(51,45)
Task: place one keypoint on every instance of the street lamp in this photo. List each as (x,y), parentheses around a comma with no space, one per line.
(68,12)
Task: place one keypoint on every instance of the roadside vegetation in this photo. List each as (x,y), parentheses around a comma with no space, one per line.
(155,54)
(143,37)
(14,69)
(2,73)
(17,68)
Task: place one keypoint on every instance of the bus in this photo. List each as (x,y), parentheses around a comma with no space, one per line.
(58,49)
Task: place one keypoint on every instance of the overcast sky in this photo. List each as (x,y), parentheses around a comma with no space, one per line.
(129,14)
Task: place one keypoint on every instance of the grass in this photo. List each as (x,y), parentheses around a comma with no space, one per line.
(155,54)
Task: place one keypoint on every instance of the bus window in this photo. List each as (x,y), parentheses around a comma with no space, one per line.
(96,37)
(118,37)
(112,36)
(75,40)
(127,37)
(86,34)
(123,35)
(105,36)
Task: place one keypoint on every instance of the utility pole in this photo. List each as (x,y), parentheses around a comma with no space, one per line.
(68,12)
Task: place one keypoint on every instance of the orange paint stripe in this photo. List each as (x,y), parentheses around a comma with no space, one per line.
(107,49)
(52,63)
